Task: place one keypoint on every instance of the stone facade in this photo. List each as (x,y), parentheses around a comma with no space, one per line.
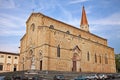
(8,61)
(49,44)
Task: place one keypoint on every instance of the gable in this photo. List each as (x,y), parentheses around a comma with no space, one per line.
(76,49)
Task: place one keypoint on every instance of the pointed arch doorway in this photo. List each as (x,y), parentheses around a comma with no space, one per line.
(40,65)
(74,62)
(76,59)
(74,66)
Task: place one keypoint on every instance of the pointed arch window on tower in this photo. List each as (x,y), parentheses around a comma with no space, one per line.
(95,58)
(58,51)
(88,56)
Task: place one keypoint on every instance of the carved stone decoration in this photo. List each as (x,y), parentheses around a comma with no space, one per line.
(33,62)
(77,53)
(75,57)
(41,55)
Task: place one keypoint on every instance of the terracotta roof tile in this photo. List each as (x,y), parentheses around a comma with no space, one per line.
(84,18)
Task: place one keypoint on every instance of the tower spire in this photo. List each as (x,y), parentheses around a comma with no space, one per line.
(84,23)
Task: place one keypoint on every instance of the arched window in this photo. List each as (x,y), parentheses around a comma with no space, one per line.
(58,51)
(100,58)
(95,58)
(51,27)
(33,27)
(106,59)
(88,56)
(68,32)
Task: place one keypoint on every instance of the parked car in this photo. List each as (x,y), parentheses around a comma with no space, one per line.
(92,77)
(103,76)
(81,77)
(38,78)
(116,76)
(24,78)
(110,76)
(17,78)
(59,77)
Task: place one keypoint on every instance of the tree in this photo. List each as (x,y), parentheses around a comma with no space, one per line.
(117,60)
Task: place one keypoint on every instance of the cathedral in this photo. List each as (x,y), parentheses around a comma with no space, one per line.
(50,44)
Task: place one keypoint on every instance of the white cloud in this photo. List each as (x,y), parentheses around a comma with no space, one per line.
(11,25)
(77,1)
(12,32)
(68,15)
(106,27)
(113,19)
(106,31)
(74,21)
(42,5)
(11,21)
(9,47)
(7,4)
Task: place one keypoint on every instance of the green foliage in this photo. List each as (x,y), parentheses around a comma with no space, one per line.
(117,60)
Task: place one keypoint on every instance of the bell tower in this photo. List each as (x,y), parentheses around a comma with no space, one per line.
(84,23)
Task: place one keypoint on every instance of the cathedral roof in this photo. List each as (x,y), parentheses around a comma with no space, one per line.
(34,14)
(84,18)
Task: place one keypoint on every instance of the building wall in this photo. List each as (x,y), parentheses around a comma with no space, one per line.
(67,42)
(42,20)
(41,42)
(9,61)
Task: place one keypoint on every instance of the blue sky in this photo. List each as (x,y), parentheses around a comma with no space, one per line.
(103,18)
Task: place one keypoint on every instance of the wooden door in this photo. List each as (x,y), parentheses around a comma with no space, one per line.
(74,66)
(40,65)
